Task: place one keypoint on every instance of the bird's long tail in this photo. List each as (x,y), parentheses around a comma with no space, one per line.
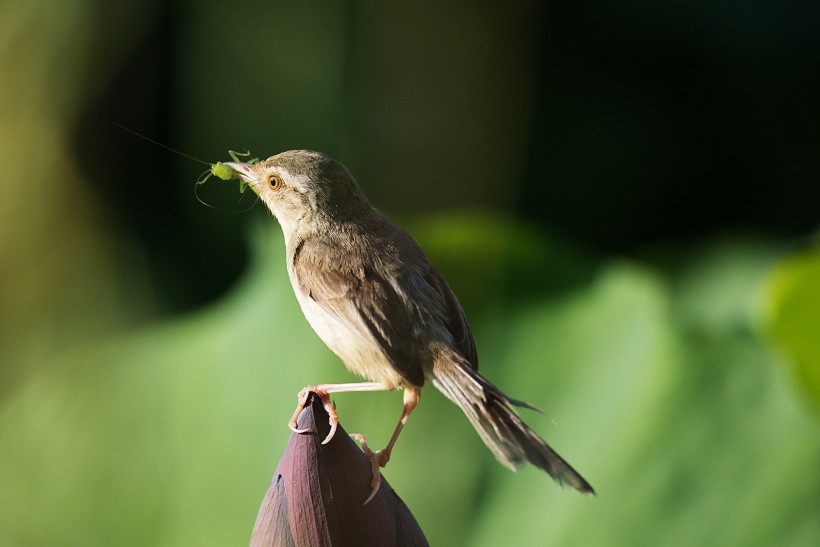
(491,413)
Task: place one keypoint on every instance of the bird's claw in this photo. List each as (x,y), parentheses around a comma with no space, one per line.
(301,399)
(377,459)
(334,422)
(326,403)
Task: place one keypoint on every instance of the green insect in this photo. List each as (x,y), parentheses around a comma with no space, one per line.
(225,172)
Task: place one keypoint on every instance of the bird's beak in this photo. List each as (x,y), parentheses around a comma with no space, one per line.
(245,170)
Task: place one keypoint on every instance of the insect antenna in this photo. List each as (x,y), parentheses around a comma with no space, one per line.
(140,135)
(205,175)
(214,207)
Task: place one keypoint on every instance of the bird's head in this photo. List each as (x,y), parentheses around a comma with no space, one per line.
(301,185)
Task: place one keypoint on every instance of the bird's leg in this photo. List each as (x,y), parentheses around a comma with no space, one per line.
(324,391)
(380,458)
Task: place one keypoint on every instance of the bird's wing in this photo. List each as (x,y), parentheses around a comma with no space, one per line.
(346,286)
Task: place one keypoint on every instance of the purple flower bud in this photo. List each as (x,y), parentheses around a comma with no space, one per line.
(317,492)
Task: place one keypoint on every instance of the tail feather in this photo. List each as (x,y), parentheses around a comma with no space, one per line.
(504,433)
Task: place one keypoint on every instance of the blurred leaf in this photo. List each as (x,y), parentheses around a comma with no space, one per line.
(718,289)
(170,436)
(793,316)
(688,439)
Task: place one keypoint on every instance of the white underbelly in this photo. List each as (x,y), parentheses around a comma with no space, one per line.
(351,341)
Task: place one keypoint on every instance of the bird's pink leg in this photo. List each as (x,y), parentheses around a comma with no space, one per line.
(380,458)
(324,391)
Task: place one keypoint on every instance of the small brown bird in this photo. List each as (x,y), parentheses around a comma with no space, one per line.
(371,294)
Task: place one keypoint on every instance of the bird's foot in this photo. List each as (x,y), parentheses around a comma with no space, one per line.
(326,402)
(377,460)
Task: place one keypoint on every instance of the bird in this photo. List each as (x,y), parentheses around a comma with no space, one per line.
(374,298)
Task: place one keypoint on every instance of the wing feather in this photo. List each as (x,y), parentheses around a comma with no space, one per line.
(401,302)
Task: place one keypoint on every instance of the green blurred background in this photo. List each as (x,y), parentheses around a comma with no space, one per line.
(623,195)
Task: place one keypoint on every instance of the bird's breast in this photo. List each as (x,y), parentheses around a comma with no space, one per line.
(341,328)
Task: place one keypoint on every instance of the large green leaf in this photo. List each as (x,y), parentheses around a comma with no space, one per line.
(793,316)
(691,435)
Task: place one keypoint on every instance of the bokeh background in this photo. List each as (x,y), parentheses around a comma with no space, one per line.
(623,194)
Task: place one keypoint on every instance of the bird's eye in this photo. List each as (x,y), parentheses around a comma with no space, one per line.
(275,182)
